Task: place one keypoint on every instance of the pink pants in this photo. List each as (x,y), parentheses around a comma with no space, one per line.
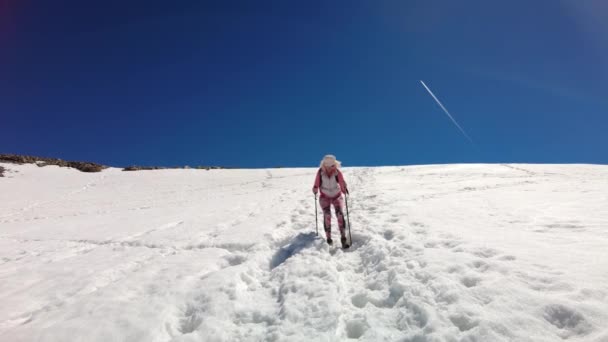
(326,204)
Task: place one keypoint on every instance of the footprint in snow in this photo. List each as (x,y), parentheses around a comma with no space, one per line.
(464,321)
(507,258)
(360,300)
(416,315)
(470,281)
(193,315)
(430,244)
(569,321)
(480,265)
(356,328)
(235,259)
(485,252)
(565,225)
(455,269)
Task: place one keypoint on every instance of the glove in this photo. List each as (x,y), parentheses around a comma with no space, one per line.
(315,190)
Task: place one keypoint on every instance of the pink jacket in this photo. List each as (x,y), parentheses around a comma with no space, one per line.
(330,186)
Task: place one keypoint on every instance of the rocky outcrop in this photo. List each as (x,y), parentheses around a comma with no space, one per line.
(139,168)
(85,166)
(42,161)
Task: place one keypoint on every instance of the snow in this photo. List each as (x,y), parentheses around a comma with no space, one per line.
(440,253)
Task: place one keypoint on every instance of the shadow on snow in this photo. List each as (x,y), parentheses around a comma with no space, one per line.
(299,242)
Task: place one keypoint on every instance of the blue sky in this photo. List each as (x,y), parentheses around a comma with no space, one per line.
(281,83)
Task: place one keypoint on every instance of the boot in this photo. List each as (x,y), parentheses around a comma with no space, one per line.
(344,243)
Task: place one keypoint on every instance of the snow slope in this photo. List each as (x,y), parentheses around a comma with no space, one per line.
(440,253)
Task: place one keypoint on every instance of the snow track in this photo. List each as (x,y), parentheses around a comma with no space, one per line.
(440,253)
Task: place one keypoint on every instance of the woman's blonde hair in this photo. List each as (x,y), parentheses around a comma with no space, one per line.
(330,160)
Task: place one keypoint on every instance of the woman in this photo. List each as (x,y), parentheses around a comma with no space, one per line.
(330,182)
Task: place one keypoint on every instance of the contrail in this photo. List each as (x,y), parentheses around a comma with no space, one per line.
(448,113)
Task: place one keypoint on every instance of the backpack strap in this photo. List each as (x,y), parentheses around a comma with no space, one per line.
(319,177)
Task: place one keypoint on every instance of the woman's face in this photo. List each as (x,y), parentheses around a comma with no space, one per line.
(330,169)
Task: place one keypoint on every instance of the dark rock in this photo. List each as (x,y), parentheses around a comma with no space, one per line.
(42,161)
(83,166)
(140,168)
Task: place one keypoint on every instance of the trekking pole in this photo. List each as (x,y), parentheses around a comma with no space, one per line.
(316,217)
(350,237)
